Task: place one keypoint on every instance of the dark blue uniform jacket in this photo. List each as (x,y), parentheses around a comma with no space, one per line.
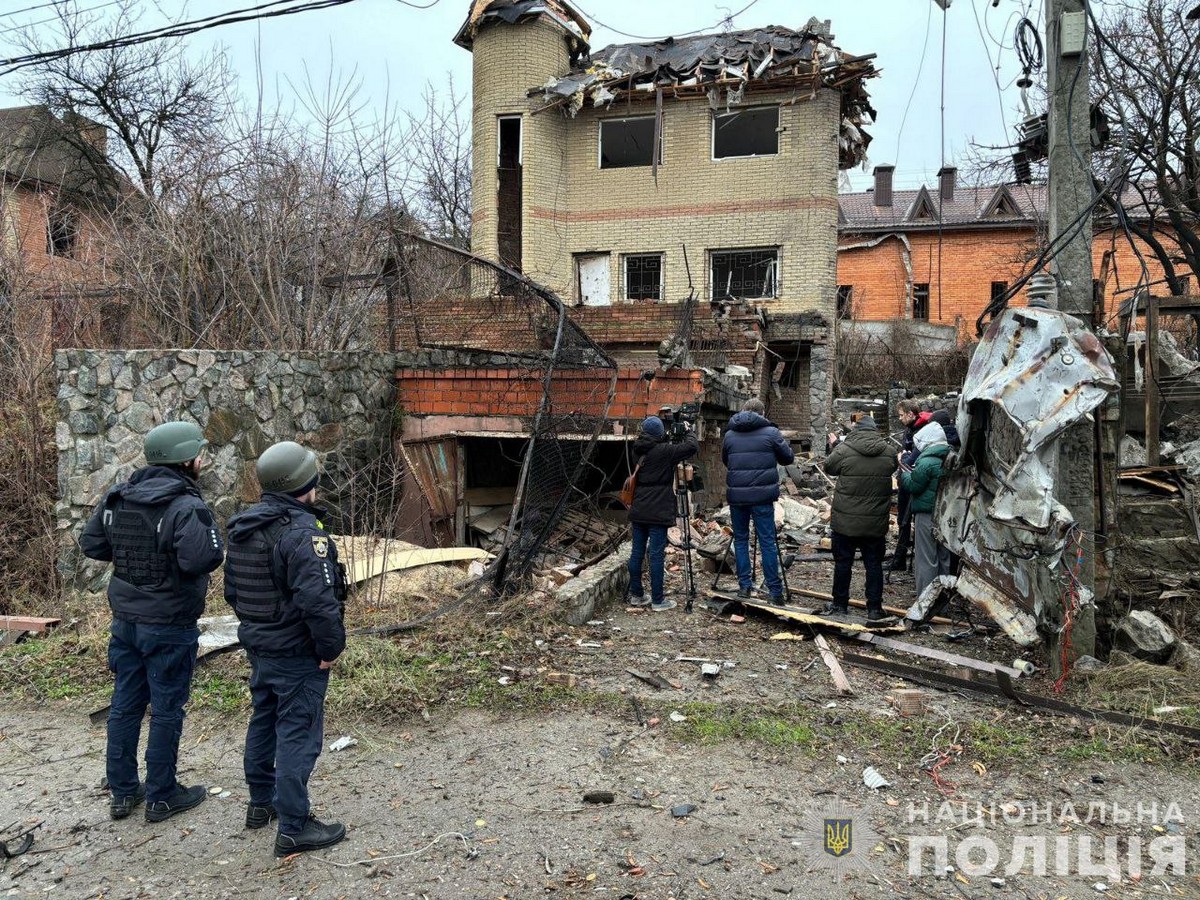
(185,534)
(305,569)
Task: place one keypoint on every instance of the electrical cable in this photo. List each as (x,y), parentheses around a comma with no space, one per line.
(177,30)
(916,81)
(662,37)
(17,12)
(57,18)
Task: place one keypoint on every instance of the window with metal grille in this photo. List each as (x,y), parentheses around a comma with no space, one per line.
(845,297)
(644,276)
(745,274)
(748,132)
(921,301)
(626,142)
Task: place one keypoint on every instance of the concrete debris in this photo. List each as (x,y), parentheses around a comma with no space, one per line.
(1144,636)
(1088,664)
(1186,658)
(1133,453)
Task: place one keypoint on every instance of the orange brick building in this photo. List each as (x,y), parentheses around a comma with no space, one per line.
(54,177)
(939,255)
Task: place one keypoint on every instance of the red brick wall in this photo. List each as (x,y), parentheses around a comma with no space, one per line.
(518,392)
(970,262)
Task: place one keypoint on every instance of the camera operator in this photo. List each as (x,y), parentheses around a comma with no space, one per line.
(654,504)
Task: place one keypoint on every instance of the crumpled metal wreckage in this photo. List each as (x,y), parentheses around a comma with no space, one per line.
(1036,373)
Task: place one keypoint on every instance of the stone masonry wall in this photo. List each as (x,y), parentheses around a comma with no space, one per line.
(339,404)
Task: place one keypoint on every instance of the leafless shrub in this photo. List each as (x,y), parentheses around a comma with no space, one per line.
(877,361)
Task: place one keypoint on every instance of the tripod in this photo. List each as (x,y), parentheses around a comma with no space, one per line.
(683,511)
(785,563)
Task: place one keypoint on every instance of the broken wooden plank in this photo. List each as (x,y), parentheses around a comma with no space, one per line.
(1150,483)
(27,623)
(654,680)
(952,659)
(840,682)
(410,558)
(862,604)
(807,617)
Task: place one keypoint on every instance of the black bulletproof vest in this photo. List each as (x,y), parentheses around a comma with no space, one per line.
(133,531)
(257,598)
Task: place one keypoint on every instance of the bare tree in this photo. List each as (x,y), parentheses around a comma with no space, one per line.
(1147,80)
(150,99)
(439,151)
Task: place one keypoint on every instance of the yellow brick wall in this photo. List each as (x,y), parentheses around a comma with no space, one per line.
(572,206)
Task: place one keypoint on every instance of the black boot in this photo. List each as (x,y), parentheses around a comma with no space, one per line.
(181,799)
(745,593)
(121,807)
(837,613)
(875,616)
(313,836)
(260,816)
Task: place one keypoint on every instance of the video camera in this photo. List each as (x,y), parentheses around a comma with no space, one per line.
(680,421)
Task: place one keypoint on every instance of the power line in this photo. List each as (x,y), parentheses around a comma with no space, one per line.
(17,12)
(58,18)
(661,37)
(916,81)
(177,30)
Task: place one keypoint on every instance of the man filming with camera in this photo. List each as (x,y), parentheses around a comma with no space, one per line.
(660,446)
(752,450)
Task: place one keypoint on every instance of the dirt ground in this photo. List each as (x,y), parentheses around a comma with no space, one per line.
(487,802)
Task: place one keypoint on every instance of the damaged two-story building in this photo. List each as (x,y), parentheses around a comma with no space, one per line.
(679,196)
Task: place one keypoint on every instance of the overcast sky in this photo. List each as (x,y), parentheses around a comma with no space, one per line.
(393,49)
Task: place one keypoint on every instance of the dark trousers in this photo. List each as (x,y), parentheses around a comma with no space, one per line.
(656,537)
(763,517)
(153,667)
(872,550)
(286,729)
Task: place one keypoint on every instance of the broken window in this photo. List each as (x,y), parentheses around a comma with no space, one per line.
(644,276)
(626,142)
(509,152)
(999,289)
(921,301)
(745,274)
(62,233)
(845,297)
(747,132)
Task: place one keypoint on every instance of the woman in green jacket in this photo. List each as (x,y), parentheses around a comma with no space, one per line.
(930,559)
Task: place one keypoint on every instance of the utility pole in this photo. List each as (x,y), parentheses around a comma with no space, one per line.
(1070,193)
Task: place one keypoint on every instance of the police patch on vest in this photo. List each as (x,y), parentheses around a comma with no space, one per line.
(320,545)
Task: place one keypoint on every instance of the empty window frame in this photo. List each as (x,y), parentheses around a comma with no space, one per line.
(644,276)
(62,232)
(745,274)
(921,302)
(999,289)
(626,142)
(753,131)
(508,143)
(845,300)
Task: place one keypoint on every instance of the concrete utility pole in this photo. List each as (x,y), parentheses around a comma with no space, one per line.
(1070,194)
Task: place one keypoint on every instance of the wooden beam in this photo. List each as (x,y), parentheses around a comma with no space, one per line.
(862,604)
(1153,454)
(952,659)
(840,681)
(27,623)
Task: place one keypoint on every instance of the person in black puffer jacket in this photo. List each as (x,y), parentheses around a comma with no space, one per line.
(752,451)
(162,541)
(285,583)
(654,507)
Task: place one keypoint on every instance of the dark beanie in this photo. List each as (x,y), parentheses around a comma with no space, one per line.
(942,417)
(301,491)
(653,426)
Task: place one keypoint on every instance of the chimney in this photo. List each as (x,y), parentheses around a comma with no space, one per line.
(93,133)
(946,178)
(883,185)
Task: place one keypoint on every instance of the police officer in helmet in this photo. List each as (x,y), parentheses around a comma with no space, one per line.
(162,541)
(284,582)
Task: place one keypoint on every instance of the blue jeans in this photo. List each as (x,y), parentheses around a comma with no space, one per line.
(285,734)
(656,536)
(153,666)
(763,516)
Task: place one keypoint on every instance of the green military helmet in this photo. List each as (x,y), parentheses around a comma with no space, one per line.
(174,442)
(286,468)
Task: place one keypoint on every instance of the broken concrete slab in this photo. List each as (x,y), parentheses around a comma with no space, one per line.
(1186,658)
(1145,636)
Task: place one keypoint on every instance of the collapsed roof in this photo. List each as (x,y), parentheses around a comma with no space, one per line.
(725,67)
(36,147)
(513,11)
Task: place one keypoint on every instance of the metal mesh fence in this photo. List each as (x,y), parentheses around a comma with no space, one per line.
(549,372)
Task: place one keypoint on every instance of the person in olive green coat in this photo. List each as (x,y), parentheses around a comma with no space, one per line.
(863,464)
(930,559)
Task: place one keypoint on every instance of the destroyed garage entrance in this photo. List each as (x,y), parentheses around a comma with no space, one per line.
(593,524)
